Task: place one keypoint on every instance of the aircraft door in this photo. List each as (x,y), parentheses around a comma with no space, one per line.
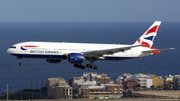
(131,53)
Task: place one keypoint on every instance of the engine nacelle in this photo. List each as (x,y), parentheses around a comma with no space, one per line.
(75,58)
(53,60)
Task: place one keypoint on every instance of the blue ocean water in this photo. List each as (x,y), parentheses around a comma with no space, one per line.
(18,77)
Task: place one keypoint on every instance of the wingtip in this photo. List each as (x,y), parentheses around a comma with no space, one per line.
(172,48)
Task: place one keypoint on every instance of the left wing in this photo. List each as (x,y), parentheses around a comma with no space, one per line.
(100,53)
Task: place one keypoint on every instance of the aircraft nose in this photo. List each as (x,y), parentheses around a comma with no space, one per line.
(8,51)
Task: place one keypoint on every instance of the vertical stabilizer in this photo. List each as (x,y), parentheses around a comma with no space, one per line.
(148,37)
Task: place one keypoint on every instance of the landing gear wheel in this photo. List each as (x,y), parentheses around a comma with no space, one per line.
(88,65)
(76,65)
(95,68)
(91,66)
(79,66)
(82,67)
(20,64)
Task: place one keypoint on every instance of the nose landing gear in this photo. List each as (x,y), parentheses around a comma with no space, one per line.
(20,59)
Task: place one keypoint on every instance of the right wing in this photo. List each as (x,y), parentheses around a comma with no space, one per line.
(100,53)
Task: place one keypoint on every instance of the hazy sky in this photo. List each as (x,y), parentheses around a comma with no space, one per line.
(89,10)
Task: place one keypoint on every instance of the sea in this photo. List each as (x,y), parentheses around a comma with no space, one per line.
(20,77)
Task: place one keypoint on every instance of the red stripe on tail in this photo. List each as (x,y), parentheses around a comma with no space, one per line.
(154,29)
(145,44)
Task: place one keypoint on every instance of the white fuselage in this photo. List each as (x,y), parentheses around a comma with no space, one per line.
(59,50)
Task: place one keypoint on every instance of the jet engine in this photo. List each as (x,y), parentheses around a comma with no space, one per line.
(75,58)
(53,60)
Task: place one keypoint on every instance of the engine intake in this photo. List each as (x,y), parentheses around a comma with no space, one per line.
(53,60)
(75,58)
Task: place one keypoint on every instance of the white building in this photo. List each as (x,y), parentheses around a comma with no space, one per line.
(92,83)
(149,82)
(168,79)
(140,78)
(90,76)
(143,80)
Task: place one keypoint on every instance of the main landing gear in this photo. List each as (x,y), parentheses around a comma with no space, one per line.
(20,59)
(87,65)
(91,66)
(79,66)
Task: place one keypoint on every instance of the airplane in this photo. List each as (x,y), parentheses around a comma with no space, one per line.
(77,53)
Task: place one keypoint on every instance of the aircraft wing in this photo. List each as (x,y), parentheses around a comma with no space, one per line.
(100,53)
(158,50)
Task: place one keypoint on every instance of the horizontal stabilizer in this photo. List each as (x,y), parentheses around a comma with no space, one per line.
(159,50)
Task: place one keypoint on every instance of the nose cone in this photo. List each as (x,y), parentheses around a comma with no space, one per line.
(8,51)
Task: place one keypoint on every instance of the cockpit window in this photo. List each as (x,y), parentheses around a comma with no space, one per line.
(13,47)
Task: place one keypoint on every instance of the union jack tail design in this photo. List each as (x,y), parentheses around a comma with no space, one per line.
(148,37)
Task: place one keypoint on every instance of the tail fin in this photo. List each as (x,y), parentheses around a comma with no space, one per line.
(148,37)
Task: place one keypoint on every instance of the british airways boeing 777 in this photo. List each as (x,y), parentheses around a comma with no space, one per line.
(76,53)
